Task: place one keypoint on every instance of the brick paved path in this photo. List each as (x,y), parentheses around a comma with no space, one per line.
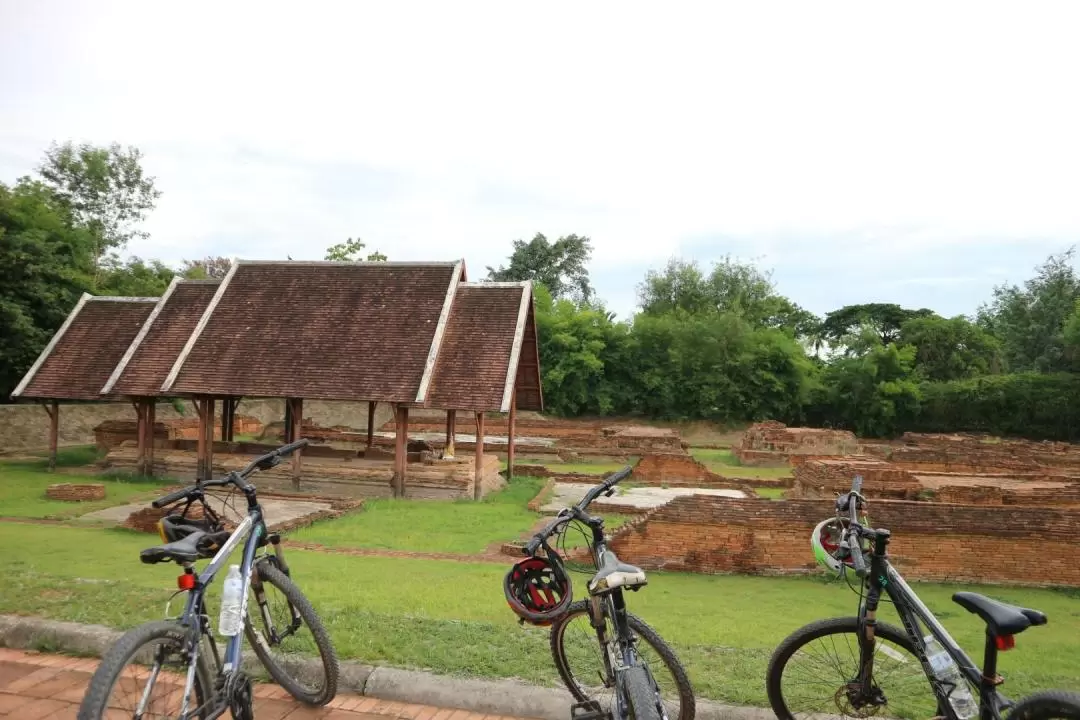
(50,687)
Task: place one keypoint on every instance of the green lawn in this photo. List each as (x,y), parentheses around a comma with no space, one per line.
(725,463)
(23,483)
(463,526)
(772,493)
(452,618)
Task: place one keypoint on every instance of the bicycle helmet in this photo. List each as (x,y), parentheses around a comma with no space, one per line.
(537,590)
(825,541)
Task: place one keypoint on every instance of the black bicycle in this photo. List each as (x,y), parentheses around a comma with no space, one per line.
(881,669)
(627,682)
(175,663)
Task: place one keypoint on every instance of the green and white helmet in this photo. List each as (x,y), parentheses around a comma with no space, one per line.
(825,541)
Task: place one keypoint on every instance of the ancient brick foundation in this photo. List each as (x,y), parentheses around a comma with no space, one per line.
(772,443)
(112,433)
(679,471)
(71,492)
(931,541)
(827,477)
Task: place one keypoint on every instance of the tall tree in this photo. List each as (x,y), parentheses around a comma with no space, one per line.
(47,265)
(134,277)
(734,287)
(210,267)
(951,349)
(885,319)
(351,250)
(1030,320)
(105,188)
(561,266)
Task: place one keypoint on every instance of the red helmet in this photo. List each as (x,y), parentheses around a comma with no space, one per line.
(537,590)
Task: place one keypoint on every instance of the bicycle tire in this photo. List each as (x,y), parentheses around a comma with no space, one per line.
(641,693)
(1047,705)
(95,700)
(271,575)
(814,631)
(687,707)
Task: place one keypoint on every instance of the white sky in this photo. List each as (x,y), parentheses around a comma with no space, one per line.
(917,153)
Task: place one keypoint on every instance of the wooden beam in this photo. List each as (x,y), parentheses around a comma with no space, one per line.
(297,433)
(401,450)
(211,407)
(140,436)
(52,409)
(478,471)
(151,409)
(200,439)
(288,422)
(371,423)
(511,422)
(451,431)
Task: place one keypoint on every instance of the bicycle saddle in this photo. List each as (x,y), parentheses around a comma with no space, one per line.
(614,573)
(187,549)
(1003,619)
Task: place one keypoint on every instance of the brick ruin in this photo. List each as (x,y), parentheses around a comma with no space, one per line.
(113,433)
(681,471)
(931,541)
(72,492)
(774,443)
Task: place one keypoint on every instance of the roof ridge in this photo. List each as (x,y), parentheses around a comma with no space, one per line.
(51,345)
(137,340)
(515,349)
(174,371)
(352,263)
(440,332)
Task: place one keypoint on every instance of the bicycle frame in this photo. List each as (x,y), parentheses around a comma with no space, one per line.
(912,611)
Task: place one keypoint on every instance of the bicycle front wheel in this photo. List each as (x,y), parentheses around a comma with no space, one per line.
(581,665)
(812,673)
(1048,705)
(148,668)
(304,663)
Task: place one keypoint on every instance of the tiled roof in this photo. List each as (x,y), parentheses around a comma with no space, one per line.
(481,356)
(152,353)
(332,331)
(83,352)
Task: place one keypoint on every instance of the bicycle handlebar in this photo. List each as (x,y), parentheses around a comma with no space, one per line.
(577,511)
(234,478)
(855,530)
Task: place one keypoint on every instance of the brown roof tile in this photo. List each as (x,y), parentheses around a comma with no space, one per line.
(154,350)
(85,350)
(333,331)
(478,348)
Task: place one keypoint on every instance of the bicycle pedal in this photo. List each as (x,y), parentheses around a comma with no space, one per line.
(588,710)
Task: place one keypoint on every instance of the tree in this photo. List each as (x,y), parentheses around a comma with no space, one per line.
(350,251)
(210,267)
(47,265)
(885,319)
(134,277)
(105,189)
(561,266)
(1030,321)
(951,349)
(734,287)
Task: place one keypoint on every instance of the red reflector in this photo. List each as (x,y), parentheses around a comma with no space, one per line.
(187,582)
(1005,642)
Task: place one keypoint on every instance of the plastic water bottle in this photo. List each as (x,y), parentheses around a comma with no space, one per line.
(946,670)
(230,622)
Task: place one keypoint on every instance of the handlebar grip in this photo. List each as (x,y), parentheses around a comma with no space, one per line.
(533,545)
(292,447)
(171,498)
(857,557)
(619,476)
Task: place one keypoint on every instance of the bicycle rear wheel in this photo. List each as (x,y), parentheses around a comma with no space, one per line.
(642,693)
(304,663)
(148,661)
(1048,705)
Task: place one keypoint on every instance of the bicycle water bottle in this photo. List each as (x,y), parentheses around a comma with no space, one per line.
(230,622)
(946,670)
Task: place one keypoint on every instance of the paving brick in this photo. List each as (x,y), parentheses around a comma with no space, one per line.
(39,708)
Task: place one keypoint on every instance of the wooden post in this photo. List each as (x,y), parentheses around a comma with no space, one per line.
(297,433)
(288,421)
(510,426)
(200,442)
(211,410)
(401,450)
(451,431)
(228,413)
(140,436)
(478,471)
(151,412)
(52,409)
(371,423)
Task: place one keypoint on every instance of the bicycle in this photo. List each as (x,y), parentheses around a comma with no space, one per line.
(205,684)
(625,669)
(880,650)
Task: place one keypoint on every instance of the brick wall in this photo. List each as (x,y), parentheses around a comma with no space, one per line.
(111,433)
(1013,545)
(776,437)
(678,471)
(71,492)
(825,478)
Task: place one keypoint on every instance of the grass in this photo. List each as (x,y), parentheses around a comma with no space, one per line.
(725,463)
(451,617)
(464,526)
(23,484)
(773,493)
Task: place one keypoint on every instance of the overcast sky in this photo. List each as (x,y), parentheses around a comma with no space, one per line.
(918,152)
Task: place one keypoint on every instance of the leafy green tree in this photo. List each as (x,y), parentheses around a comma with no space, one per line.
(105,189)
(951,349)
(210,267)
(351,250)
(561,266)
(47,265)
(134,277)
(1031,321)
(884,318)
(734,287)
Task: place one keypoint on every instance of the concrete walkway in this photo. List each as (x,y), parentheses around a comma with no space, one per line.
(50,687)
(646,498)
(276,510)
